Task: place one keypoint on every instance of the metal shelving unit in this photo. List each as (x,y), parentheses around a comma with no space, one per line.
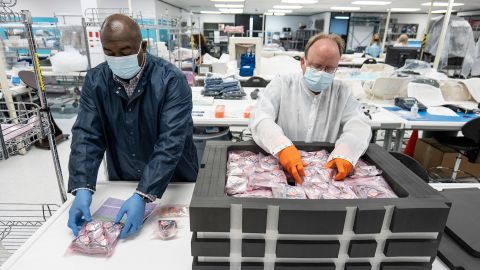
(18,222)
(26,123)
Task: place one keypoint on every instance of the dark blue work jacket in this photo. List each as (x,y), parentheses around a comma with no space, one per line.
(147,137)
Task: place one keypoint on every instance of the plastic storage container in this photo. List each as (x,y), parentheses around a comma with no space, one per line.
(354,234)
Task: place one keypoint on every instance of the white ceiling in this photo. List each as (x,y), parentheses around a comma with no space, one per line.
(261,6)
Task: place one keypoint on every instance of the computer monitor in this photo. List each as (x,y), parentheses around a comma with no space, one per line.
(396,56)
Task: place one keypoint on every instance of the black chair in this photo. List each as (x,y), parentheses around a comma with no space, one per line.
(468,145)
(255,81)
(412,164)
(370,61)
(454,66)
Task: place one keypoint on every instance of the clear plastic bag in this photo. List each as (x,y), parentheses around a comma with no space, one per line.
(172,211)
(318,174)
(267,163)
(371,187)
(166,229)
(97,238)
(363,169)
(267,180)
(236,184)
(288,192)
(318,158)
(259,193)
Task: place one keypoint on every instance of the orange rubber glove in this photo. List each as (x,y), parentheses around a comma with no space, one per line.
(291,161)
(344,167)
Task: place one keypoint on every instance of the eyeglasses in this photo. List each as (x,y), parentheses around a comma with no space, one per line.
(330,70)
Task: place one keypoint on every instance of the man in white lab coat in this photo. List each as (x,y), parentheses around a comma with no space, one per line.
(313,107)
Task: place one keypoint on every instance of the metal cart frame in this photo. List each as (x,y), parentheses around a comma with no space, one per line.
(43,112)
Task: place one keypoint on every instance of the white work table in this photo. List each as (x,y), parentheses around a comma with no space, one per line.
(46,248)
(356,61)
(234,109)
(441,125)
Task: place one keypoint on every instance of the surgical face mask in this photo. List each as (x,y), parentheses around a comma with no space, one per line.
(125,67)
(317,81)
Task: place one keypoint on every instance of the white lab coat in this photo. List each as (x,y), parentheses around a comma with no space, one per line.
(287,111)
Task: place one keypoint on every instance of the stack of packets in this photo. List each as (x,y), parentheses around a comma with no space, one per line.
(100,236)
(171,219)
(259,176)
(222,87)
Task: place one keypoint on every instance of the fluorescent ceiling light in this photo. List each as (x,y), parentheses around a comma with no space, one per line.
(210,12)
(442,4)
(341,17)
(442,11)
(371,3)
(227,0)
(286,7)
(404,9)
(345,8)
(268,13)
(229,5)
(300,1)
(280,10)
(231,10)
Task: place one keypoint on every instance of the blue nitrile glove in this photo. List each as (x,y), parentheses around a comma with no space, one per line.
(134,207)
(80,210)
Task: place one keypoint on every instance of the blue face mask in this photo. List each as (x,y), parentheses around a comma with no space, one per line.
(125,67)
(317,81)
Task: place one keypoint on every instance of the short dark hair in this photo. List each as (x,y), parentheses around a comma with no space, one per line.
(333,37)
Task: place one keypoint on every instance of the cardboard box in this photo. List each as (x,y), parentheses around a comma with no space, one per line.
(430,153)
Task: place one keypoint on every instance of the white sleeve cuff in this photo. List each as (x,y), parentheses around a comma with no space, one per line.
(279,148)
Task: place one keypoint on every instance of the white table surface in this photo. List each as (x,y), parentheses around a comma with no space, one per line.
(46,248)
(357,61)
(440,125)
(234,109)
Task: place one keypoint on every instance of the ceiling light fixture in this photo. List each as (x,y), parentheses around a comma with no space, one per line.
(280,10)
(404,9)
(341,17)
(287,7)
(371,3)
(231,10)
(306,2)
(345,8)
(227,0)
(210,12)
(442,4)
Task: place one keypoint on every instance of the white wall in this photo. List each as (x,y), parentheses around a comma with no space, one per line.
(112,4)
(420,19)
(47,8)
(162,9)
(214,18)
(145,7)
(326,18)
(276,23)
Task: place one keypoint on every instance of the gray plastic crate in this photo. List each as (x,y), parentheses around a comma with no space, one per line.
(280,234)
